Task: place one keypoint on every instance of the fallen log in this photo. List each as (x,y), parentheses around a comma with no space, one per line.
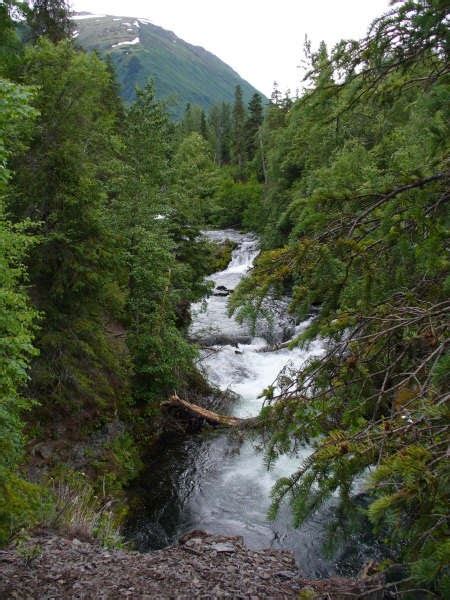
(275,347)
(209,416)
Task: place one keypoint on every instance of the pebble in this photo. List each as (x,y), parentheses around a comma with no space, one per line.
(223,547)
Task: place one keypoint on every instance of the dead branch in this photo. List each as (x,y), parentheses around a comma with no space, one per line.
(213,418)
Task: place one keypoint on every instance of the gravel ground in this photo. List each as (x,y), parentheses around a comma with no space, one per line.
(202,566)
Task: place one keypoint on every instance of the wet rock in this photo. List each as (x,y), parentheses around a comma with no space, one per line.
(221,290)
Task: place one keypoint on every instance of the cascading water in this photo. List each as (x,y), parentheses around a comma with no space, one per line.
(211,481)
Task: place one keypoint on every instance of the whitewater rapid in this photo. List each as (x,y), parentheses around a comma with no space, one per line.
(216,481)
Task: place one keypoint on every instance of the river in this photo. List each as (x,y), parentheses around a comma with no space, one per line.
(214,481)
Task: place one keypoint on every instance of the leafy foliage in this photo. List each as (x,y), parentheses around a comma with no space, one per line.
(19,500)
(10,46)
(163,255)
(112,255)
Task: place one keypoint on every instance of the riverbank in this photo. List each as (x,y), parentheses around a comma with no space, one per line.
(199,566)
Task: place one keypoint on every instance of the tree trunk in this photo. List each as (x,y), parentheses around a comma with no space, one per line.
(209,416)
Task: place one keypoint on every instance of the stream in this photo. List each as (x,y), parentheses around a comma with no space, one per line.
(213,481)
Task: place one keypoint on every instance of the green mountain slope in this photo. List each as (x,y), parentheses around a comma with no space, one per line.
(141,50)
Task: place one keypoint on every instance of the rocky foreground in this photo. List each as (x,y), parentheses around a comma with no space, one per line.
(202,566)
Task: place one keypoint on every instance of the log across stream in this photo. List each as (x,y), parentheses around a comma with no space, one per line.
(217,480)
(209,416)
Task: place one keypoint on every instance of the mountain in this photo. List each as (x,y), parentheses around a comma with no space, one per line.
(140,51)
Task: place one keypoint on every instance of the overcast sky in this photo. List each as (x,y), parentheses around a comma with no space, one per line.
(260,39)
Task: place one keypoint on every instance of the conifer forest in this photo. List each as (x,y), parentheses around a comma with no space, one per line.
(345,187)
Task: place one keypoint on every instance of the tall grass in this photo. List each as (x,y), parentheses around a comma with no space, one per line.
(80,513)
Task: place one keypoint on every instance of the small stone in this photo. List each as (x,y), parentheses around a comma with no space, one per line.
(45,451)
(193,542)
(285,574)
(223,547)
(76,542)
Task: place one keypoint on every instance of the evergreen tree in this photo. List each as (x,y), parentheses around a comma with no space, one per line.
(252,125)
(58,183)
(10,45)
(188,122)
(216,129)
(203,126)
(275,117)
(238,133)
(227,132)
(149,137)
(219,121)
(163,256)
(50,18)
(194,121)
(276,96)
(194,178)
(357,225)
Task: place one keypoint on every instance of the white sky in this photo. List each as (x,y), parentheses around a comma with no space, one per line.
(260,39)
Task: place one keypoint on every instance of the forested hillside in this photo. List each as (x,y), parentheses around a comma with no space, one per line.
(140,50)
(101,209)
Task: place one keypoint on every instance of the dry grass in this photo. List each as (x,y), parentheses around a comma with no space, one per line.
(80,513)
